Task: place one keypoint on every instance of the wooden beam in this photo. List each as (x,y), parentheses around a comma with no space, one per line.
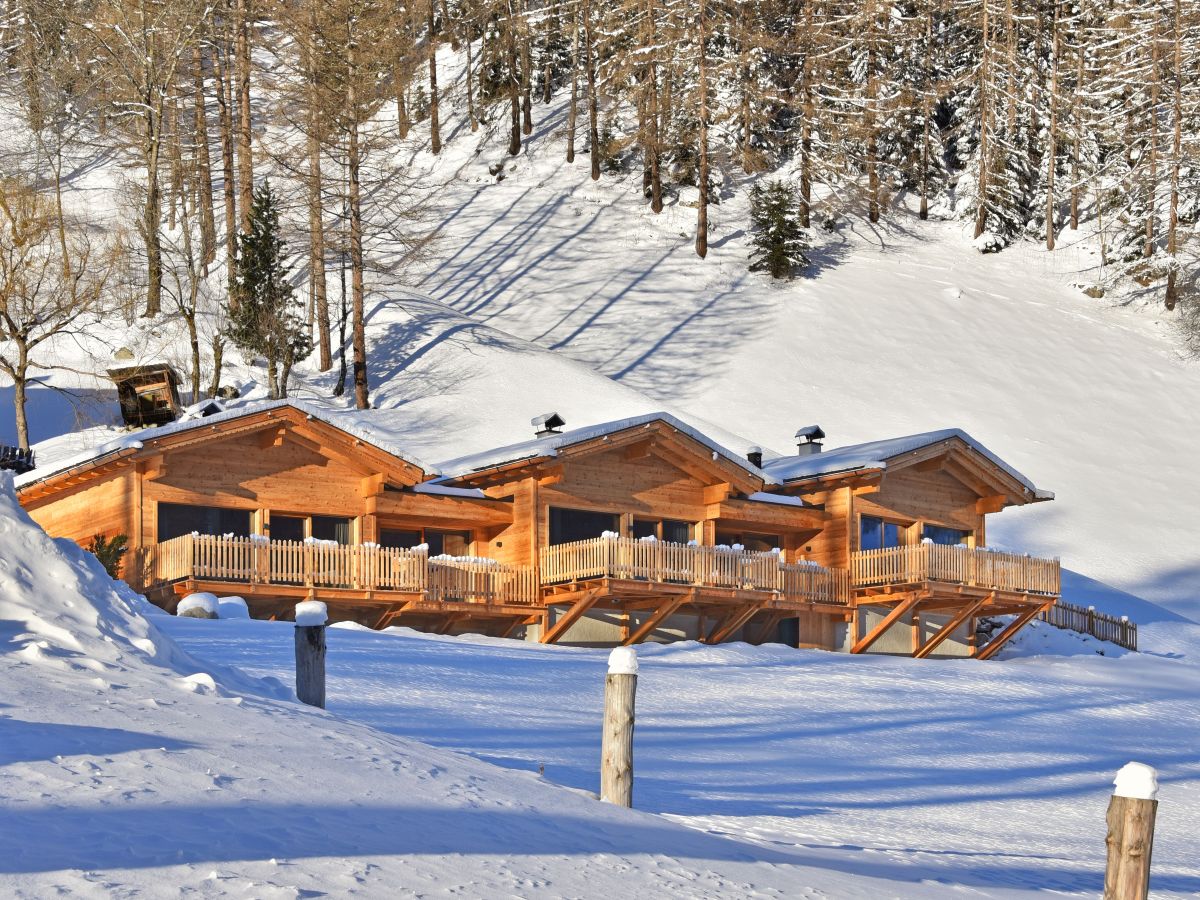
(946,630)
(372,485)
(271,437)
(732,622)
(715,493)
(655,620)
(640,450)
(771,621)
(993,504)
(864,643)
(571,616)
(993,646)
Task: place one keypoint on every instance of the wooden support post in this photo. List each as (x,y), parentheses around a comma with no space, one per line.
(616,746)
(864,643)
(1130,840)
(946,630)
(311,616)
(571,616)
(655,619)
(732,622)
(993,646)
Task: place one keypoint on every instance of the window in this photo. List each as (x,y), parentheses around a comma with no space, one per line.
(750,540)
(175,519)
(568,525)
(399,540)
(672,530)
(331,528)
(449,543)
(940,534)
(876,533)
(287,528)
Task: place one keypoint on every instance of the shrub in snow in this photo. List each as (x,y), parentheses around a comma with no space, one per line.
(778,241)
(233,608)
(201,605)
(110,552)
(989,243)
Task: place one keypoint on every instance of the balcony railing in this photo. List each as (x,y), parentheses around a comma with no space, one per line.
(664,562)
(990,569)
(363,567)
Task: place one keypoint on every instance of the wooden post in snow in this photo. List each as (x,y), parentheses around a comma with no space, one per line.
(311,616)
(616,749)
(1131,814)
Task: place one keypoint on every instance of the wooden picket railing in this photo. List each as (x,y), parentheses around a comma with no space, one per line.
(665,562)
(957,565)
(1085,620)
(255,560)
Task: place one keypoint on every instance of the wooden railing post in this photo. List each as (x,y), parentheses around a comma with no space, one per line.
(311,616)
(616,749)
(1131,814)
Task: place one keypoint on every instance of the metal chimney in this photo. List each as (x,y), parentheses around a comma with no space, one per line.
(808,440)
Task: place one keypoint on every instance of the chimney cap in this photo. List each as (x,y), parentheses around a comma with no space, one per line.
(547,423)
(810,433)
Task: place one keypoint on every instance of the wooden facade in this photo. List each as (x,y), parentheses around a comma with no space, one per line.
(684,541)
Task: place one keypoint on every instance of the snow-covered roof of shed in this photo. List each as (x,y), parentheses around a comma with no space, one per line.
(875,455)
(134,440)
(550,445)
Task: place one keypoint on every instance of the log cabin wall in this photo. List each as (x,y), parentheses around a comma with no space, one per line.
(911,496)
(105,507)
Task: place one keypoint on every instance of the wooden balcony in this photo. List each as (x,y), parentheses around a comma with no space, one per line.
(939,567)
(678,568)
(360,572)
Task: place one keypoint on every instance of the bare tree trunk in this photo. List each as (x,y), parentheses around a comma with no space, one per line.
(1077,142)
(514,83)
(20,379)
(470,79)
(526,82)
(225,120)
(357,288)
(244,130)
(702,206)
(806,122)
(1172,296)
(218,354)
(152,216)
(593,105)
(870,116)
(435,133)
(1052,134)
(573,109)
(926,114)
(316,219)
(985,126)
(654,144)
(1152,179)
(208,225)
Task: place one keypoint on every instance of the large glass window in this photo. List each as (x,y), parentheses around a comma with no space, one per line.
(175,519)
(876,533)
(287,528)
(449,543)
(750,540)
(940,534)
(672,530)
(331,528)
(568,525)
(399,539)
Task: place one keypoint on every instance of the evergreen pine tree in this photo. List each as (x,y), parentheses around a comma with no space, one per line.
(779,240)
(264,319)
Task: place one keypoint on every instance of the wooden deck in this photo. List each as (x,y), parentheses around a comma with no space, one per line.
(375,585)
(952,567)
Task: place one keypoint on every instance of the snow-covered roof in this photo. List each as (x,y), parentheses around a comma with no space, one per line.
(550,445)
(134,440)
(876,454)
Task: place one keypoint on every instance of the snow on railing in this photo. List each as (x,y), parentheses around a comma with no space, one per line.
(970,566)
(665,562)
(317,564)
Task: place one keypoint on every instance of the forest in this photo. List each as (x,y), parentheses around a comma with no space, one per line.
(1026,119)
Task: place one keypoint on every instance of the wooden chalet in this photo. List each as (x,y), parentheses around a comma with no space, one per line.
(642,529)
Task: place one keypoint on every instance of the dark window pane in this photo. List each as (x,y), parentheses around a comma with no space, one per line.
(676,532)
(728,538)
(449,543)
(761,543)
(939,534)
(645,528)
(175,519)
(287,528)
(331,528)
(568,525)
(870,534)
(402,540)
(891,534)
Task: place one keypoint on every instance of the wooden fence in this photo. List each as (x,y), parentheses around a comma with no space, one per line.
(670,563)
(1085,620)
(328,565)
(957,565)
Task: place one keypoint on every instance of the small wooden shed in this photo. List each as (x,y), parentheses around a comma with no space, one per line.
(149,393)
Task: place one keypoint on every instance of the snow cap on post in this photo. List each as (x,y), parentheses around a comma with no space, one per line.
(1137,781)
(622,661)
(311,612)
